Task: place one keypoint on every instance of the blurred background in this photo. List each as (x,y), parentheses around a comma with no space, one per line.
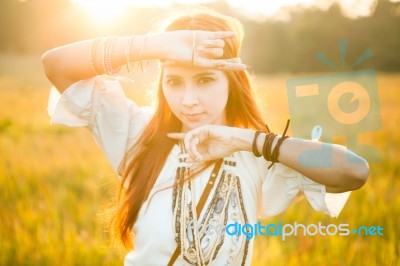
(56,188)
(286,34)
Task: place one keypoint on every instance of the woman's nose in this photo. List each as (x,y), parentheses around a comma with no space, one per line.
(189,97)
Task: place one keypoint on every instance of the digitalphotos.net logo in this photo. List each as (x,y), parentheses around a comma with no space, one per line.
(284,230)
(338,104)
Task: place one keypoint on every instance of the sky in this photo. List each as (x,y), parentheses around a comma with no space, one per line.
(253,9)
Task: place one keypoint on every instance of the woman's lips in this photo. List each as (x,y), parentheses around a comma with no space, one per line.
(193,116)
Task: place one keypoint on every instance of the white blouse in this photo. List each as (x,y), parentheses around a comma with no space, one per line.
(100,105)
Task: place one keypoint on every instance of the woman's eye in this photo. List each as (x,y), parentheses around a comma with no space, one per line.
(173,82)
(205,80)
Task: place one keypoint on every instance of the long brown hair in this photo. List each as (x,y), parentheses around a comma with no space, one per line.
(143,162)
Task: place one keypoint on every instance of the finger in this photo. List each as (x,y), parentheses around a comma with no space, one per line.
(190,160)
(207,157)
(191,141)
(176,135)
(221,64)
(203,133)
(217,43)
(222,34)
(210,52)
(187,143)
(193,148)
(232,66)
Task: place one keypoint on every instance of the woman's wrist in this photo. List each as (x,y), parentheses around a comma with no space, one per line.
(243,139)
(131,49)
(142,47)
(119,55)
(149,47)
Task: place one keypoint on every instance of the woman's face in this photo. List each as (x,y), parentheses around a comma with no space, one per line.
(197,96)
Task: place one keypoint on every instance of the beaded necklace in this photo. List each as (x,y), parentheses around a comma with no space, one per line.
(199,246)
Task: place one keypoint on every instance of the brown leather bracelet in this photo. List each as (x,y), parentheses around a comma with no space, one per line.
(254,146)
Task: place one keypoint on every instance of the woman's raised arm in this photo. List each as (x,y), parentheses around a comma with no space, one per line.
(82,60)
(67,64)
(332,165)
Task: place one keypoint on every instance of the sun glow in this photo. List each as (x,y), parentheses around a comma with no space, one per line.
(110,10)
(103,10)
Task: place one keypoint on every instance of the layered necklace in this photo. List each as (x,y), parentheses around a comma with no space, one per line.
(198,244)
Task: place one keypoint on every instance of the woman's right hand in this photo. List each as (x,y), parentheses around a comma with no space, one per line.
(195,48)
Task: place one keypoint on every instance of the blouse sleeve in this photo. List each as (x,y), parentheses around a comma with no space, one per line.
(100,105)
(281,184)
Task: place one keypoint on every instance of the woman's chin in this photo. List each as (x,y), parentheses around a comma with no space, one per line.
(190,126)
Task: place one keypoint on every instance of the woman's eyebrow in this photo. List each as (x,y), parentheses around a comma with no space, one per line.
(201,74)
(207,73)
(172,76)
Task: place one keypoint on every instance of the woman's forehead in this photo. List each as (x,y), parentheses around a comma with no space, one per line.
(184,70)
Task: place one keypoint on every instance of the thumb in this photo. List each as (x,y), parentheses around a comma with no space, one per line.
(176,135)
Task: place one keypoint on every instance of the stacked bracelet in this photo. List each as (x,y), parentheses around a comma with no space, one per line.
(144,69)
(105,56)
(269,140)
(101,51)
(254,147)
(267,152)
(130,65)
(275,153)
(92,56)
(107,53)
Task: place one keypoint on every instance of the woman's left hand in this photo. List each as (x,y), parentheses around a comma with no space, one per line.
(212,142)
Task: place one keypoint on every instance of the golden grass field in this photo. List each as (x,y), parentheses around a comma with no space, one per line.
(55,184)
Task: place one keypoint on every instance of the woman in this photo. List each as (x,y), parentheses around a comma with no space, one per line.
(204,159)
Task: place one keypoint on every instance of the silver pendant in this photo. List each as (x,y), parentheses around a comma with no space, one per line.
(224,187)
(219,205)
(191,253)
(205,242)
